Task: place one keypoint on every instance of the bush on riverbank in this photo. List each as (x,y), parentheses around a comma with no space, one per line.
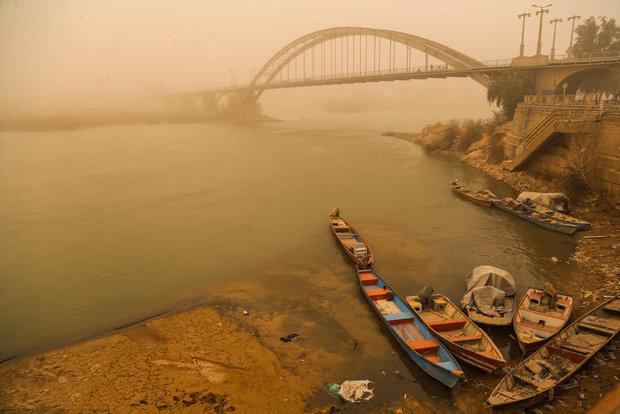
(470,133)
(452,132)
(496,147)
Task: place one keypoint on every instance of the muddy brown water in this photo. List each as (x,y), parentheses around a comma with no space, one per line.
(103,227)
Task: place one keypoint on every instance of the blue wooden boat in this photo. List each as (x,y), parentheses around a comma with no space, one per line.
(512,206)
(411,333)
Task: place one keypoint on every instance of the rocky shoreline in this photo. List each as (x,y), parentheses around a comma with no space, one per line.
(597,253)
(597,250)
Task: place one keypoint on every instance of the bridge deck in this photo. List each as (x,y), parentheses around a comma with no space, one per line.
(437,72)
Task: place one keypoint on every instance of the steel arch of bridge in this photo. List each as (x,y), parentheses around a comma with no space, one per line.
(288,53)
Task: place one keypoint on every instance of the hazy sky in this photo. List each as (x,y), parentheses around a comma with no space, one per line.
(79,48)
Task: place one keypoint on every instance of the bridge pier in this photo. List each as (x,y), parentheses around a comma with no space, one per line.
(243,105)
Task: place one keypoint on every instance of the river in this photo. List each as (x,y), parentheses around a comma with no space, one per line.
(103,227)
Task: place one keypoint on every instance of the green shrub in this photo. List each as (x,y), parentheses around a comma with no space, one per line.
(452,132)
(496,148)
(470,133)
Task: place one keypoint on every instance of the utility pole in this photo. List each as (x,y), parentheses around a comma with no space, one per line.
(542,12)
(522,48)
(572,30)
(554,22)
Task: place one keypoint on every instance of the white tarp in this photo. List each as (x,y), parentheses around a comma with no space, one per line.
(487,288)
(554,201)
(356,390)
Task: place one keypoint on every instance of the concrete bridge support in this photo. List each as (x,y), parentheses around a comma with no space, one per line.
(551,80)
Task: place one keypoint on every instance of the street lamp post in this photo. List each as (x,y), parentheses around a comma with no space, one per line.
(542,12)
(572,30)
(554,22)
(522,48)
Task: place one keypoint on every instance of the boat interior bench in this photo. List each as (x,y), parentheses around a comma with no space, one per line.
(402,317)
(448,324)
(425,345)
(465,338)
(374,292)
(575,357)
(368,279)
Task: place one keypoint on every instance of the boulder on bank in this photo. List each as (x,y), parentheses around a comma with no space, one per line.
(433,137)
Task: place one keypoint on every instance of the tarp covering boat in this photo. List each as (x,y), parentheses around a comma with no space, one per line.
(487,288)
(555,201)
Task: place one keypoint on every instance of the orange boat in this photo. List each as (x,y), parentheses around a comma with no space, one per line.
(353,243)
(458,333)
(482,197)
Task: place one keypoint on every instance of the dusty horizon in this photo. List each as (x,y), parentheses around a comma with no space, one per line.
(84,56)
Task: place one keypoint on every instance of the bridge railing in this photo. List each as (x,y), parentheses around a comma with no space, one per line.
(430,69)
(596,57)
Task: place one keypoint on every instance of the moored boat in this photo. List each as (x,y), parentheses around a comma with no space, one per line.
(482,197)
(534,379)
(520,210)
(459,333)
(490,296)
(410,332)
(540,315)
(561,217)
(353,243)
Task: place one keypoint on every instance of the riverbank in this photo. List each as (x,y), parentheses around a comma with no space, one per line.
(597,251)
(212,358)
(191,359)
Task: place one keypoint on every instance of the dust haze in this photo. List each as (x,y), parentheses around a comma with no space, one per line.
(72,60)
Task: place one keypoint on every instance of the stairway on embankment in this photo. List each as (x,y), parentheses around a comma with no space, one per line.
(537,139)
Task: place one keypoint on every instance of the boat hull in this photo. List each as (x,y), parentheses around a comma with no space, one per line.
(549,323)
(361,262)
(448,377)
(472,196)
(559,227)
(563,218)
(488,361)
(572,347)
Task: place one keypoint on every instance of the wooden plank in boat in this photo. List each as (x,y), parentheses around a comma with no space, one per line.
(583,342)
(613,306)
(596,328)
(465,338)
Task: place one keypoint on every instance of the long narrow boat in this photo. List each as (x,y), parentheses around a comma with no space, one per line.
(482,197)
(458,332)
(534,379)
(561,217)
(536,321)
(410,332)
(353,243)
(520,210)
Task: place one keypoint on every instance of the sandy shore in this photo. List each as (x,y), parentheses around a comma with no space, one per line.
(190,359)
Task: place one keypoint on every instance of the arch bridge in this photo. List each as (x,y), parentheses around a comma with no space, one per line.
(346,55)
